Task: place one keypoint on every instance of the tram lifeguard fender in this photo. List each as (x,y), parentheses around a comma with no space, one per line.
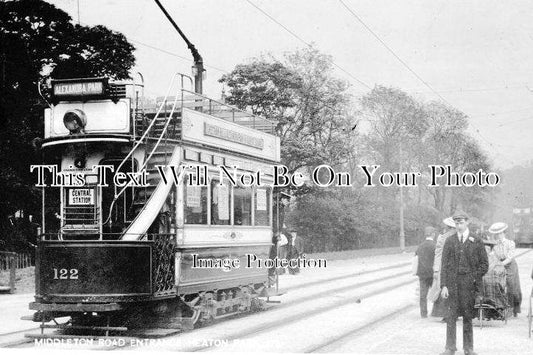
(151,209)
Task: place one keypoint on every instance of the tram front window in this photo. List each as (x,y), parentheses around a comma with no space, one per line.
(242,206)
(195,204)
(220,203)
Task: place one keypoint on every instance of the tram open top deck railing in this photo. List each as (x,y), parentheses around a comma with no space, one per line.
(195,101)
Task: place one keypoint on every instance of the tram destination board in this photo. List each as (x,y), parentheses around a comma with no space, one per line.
(80,197)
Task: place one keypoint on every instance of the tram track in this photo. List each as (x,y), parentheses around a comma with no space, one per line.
(360,329)
(311,297)
(350,287)
(355,331)
(6,342)
(308,298)
(348,276)
(306,314)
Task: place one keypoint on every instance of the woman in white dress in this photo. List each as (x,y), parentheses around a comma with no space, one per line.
(505,252)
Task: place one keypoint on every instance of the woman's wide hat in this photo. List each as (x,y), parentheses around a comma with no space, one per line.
(449,222)
(498,227)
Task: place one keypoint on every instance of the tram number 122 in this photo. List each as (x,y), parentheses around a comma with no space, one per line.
(65,274)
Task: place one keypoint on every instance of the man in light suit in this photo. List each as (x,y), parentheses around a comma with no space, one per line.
(464,262)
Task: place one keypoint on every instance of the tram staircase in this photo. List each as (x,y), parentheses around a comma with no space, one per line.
(162,153)
(158,133)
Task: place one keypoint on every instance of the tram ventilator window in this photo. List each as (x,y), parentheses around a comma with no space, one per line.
(195,204)
(262,207)
(220,203)
(242,206)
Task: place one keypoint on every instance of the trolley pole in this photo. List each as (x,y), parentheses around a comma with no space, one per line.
(198,67)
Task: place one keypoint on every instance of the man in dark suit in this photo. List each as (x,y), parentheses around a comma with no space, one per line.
(296,249)
(426,256)
(464,262)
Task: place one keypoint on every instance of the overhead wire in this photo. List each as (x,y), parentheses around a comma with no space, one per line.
(306,43)
(165,51)
(175,55)
(391,51)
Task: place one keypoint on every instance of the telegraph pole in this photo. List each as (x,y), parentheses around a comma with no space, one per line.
(402,231)
(198,67)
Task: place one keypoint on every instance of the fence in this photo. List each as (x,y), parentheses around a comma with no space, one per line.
(8,262)
(21,260)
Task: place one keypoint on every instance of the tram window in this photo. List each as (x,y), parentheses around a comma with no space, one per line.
(195,204)
(242,206)
(262,207)
(220,203)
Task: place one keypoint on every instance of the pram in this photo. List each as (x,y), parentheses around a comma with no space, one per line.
(494,304)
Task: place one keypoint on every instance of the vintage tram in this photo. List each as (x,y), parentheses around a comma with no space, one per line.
(134,197)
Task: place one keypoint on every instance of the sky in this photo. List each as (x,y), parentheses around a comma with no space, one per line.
(474,55)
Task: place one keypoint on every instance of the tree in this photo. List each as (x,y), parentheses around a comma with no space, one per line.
(397,123)
(37,42)
(311,107)
(447,143)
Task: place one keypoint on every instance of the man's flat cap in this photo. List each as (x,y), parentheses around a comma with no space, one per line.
(460,215)
(429,231)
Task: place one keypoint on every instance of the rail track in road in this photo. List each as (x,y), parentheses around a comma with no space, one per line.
(295,317)
(15,338)
(309,297)
(24,340)
(381,320)
(350,332)
(343,277)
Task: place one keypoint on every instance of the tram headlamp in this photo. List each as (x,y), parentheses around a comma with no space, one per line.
(80,162)
(75,121)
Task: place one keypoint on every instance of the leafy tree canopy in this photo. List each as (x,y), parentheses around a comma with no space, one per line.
(311,106)
(37,42)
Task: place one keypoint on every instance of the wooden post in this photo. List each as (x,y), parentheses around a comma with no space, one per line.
(12,273)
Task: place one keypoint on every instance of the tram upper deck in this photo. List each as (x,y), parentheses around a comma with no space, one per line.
(87,110)
(96,123)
